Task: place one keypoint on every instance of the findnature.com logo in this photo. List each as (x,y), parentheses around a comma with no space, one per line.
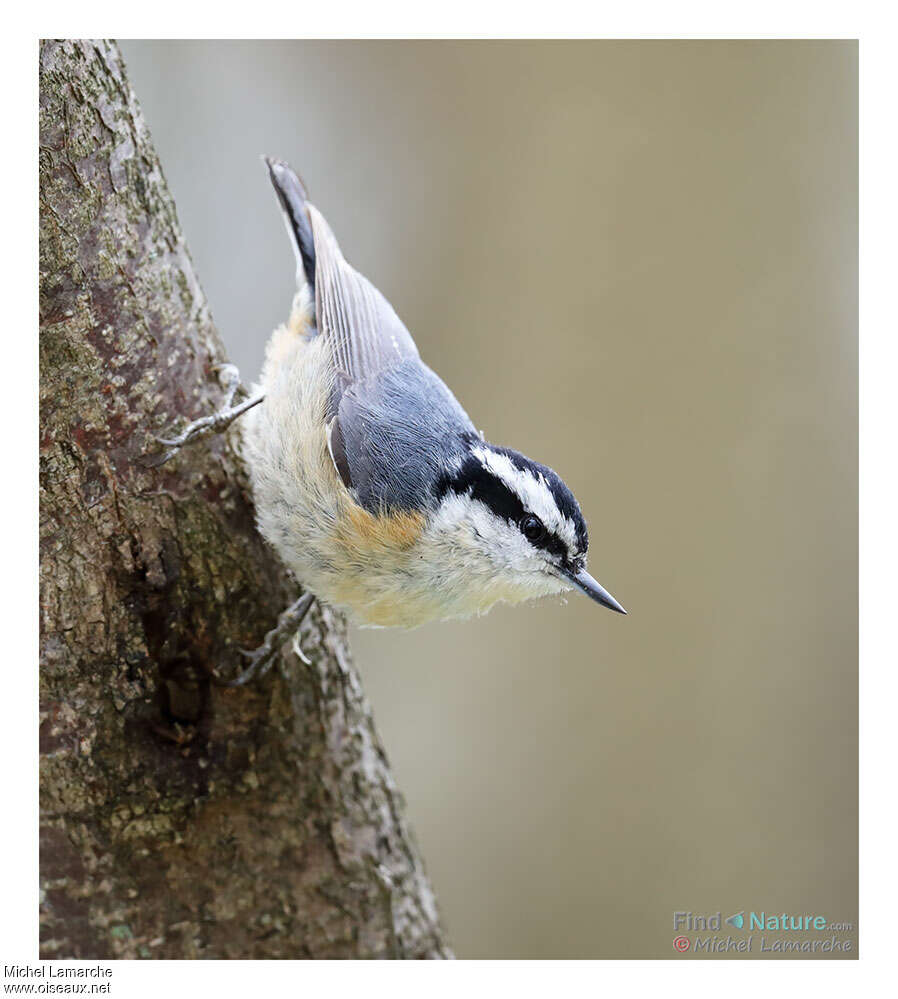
(766,923)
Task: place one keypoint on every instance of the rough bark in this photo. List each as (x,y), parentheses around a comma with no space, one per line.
(179,819)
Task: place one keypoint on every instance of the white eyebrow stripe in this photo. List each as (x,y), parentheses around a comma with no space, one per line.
(533,492)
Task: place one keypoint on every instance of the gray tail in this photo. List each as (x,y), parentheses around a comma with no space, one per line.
(292,195)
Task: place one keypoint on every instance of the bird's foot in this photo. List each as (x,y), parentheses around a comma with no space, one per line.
(208,426)
(263,658)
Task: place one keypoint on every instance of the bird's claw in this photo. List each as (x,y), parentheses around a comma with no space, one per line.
(228,374)
(260,662)
(265,656)
(297,649)
(215,423)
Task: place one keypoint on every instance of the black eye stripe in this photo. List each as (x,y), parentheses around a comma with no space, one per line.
(473,478)
(490,490)
(549,542)
(564,499)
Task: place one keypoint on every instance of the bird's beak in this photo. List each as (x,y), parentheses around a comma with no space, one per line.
(586,584)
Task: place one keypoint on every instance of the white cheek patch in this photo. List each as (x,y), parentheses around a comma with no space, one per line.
(533,492)
(489,536)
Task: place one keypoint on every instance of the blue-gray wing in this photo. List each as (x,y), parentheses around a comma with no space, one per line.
(364,332)
(395,434)
(392,423)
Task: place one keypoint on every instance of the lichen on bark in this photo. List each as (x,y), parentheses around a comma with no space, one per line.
(179,819)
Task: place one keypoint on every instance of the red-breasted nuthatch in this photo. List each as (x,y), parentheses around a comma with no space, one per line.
(369,478)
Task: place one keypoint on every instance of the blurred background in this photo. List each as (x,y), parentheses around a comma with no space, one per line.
(636,262)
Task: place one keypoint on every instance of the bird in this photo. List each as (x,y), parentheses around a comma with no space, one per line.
(369,478)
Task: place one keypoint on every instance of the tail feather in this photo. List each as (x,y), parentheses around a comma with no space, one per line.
(292,196)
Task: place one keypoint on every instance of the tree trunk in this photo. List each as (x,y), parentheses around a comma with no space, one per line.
(179,819)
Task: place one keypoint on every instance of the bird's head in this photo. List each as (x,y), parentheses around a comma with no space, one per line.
(516,519)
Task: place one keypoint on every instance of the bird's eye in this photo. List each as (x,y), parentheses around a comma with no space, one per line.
(532,528)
